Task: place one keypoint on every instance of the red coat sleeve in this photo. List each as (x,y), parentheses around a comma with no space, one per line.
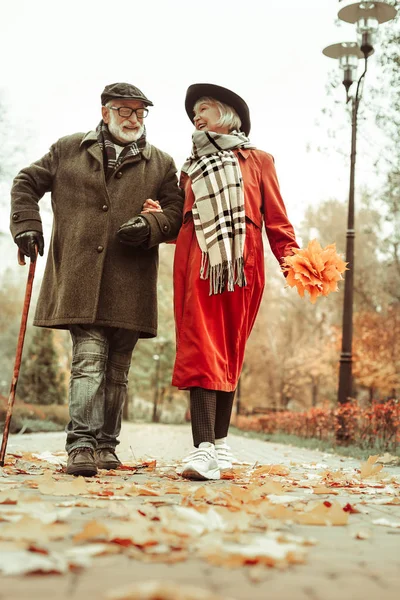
(279,230)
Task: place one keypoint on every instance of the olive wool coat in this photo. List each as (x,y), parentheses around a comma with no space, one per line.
(90,276)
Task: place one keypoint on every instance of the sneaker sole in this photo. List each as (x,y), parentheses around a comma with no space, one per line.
(192,473)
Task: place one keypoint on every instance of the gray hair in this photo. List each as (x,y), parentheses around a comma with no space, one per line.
(228,115)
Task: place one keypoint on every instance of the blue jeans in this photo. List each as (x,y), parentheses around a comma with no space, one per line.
(101,357)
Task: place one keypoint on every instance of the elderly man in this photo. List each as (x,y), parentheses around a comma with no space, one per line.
(101,272)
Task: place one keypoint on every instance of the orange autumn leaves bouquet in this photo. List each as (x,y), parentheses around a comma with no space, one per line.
(314,269)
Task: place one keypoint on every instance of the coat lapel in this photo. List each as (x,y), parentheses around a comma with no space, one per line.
(90,141)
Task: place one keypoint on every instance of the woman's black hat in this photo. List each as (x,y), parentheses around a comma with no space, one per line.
(198,90)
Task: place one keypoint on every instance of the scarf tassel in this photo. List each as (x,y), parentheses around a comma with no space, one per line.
(224,275)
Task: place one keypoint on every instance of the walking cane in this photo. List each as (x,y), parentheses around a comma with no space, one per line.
(20,345)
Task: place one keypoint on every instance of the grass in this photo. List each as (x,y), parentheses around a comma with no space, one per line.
(352,451)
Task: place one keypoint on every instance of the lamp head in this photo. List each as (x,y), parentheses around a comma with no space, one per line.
(348,54)
(368,16)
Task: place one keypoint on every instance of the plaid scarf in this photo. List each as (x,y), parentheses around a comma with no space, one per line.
(108,149)
(218,209)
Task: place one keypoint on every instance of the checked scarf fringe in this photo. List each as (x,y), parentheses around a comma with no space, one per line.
(218,210)
(108,149)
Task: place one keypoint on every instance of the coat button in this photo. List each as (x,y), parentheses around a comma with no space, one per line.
(119,175)
(100,249)
(15,217)
(105,207)
(165,227)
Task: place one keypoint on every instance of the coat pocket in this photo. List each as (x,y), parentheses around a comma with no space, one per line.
(249,252)
(188,216)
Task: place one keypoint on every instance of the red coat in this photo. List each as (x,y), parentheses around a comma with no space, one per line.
(212,331)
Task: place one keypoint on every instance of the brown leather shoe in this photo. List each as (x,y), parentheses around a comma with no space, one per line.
(107,459)
(81,462)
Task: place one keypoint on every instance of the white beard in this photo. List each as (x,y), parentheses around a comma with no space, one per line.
(124,136)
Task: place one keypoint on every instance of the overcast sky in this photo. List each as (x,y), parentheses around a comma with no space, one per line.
(57,57)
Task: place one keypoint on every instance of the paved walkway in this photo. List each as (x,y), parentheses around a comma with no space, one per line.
(171,442)
(339,565)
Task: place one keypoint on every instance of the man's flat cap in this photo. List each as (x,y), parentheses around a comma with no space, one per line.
(123,90)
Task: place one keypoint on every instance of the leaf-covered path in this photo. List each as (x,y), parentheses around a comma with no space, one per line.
(288,523)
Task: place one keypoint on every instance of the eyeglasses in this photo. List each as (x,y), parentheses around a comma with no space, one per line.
(124,111)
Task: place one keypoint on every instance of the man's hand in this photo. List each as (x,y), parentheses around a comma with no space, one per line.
(134,232)
(27,241)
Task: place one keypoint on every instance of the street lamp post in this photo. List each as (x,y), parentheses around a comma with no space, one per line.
(157,358)
(348,54)
(368,16)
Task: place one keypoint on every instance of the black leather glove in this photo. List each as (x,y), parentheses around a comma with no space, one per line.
(134,232)
(27,241)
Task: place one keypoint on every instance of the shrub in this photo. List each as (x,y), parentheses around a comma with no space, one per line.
(52,417)
(375,426)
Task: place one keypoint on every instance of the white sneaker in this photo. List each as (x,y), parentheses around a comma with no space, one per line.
(201,463)
(225,458)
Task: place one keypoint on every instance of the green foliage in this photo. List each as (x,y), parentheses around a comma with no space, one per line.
(41,381)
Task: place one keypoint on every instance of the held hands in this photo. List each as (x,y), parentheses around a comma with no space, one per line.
(134,232)
(27,241)
(151,206)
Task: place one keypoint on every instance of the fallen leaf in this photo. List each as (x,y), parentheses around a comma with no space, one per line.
(149,465)
(330,513)
(387,523)
(52,457)
(162,590)
(140,490)
(257,550)
(350,509)
(369,468)
(362,534)
(323,489)
(33,530)
(9,497)
(48,486)
(37,510)
(22,562)
(389,459)
(269,487)
(92,531)
(185,521)
(263,470)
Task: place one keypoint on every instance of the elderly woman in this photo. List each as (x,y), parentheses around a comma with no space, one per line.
(231,188)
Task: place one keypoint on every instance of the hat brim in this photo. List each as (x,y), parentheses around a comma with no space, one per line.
(105,98)
(198,90)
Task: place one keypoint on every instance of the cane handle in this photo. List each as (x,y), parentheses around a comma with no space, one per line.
(21,256)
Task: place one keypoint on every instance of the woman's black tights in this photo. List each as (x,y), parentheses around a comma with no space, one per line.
(210,412)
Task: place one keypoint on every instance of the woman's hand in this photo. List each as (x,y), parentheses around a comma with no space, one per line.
(151,206)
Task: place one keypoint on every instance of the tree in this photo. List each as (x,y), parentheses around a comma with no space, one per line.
(377,351)
(41,381)
(12,152)
(388,120)
(153,360)
(12,287)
